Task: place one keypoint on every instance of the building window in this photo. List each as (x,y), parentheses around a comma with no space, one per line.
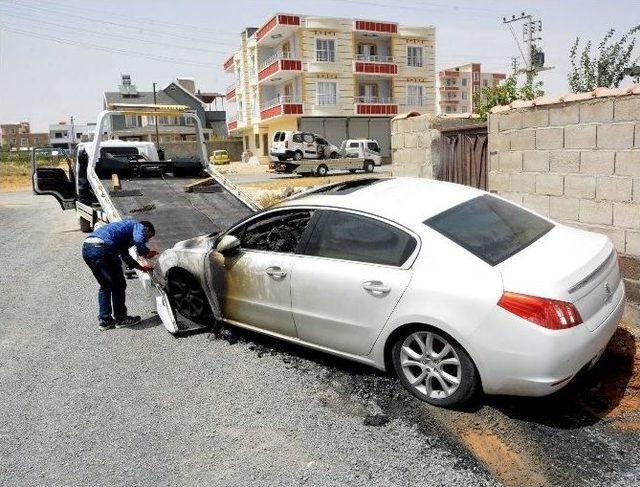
(476,76)
(246,142)
(130,121)
(257,140)
(24,142)
(414,56)
(327,93)
(326,50)
(415,95)
(464,95)
(485,82)
(464,81)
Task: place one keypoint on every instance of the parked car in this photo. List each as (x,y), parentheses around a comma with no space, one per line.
(454,289)
(366,149)
(219,157)
(301,145)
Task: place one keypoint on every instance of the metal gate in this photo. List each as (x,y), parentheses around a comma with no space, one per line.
(463,156)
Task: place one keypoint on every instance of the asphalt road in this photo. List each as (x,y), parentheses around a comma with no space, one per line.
(139,407)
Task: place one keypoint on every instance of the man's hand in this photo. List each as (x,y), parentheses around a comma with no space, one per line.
(151,254)
(146,268)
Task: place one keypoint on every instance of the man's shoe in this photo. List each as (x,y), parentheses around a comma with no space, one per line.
(128,321)
(104,325)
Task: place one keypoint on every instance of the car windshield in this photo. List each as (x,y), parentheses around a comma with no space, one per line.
(490,228)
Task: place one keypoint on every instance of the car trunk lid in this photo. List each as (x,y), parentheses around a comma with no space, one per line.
(570,265)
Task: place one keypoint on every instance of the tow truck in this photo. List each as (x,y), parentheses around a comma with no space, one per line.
(114,180)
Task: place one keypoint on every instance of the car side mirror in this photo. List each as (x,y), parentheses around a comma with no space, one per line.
(228,245)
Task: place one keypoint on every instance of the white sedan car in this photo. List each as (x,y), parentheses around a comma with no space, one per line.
(452,288)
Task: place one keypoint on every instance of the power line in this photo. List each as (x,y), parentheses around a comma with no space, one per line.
(87,45)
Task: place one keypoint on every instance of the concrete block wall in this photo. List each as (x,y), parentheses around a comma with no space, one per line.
(576,162)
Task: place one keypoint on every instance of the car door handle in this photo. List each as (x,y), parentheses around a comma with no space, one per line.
(376,287)
(275,271)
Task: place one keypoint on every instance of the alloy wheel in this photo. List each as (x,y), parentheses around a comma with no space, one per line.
(430,364)
(188,297)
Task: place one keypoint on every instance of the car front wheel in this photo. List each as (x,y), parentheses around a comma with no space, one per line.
(434,367)
(187,296)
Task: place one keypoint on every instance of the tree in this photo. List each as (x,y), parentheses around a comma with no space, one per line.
(606,67)
(504,94)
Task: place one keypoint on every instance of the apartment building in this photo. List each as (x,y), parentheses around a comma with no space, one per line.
(63,134)
(457,85)
(18,136)
(342,78)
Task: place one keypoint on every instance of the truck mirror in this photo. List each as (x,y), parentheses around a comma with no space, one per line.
(228,245)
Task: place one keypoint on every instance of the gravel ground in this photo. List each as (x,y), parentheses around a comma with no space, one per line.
(139,407)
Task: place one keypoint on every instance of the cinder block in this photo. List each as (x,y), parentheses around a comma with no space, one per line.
(614,188)
(564,161)
(597,162)
(615,135)
(494,162)
(628,163)
(537,202)
(550,138)
(596,111)
(493,124)
(627,108)
(416,156)
(536,160)
(580,137)
(510,120)
(515,197)
(626,215)
(633,243)
(598,212)
(566,115)
(580,186)
(523,139)
(499,181)
(615,234)
(551,184)
(498,142)
(523,182)
(538,117)
(511,161)
(411,140)
(426,171)
(637,137)
(397,141)
(563,208)
(636,190)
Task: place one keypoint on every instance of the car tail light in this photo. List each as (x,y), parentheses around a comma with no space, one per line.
(548,313)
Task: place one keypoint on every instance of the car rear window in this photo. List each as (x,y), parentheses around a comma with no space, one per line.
(297,137)
(490,228)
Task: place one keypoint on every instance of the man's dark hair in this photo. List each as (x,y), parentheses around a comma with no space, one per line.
(151,230)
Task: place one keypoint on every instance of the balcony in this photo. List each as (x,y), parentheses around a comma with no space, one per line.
(375,105)
(378,27)
(375,65)
(449,89)
(280,107)
(230,92)
(232,122)
(449,74)
(278,68)
(229,65)
(276,28)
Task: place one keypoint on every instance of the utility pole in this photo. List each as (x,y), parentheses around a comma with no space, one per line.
(532,56)
(72,136)
(515,64)
(156,117)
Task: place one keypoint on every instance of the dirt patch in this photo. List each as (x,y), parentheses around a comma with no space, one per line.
(14,176)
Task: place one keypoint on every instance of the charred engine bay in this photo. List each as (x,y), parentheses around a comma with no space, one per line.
(585,435)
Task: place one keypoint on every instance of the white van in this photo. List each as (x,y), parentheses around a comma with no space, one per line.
(287,144)
(366,149)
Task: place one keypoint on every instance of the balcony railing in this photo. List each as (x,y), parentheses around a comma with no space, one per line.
(275,57)
(280,100)
(374,58)
(325,56)
(374,99)
(326,99)
(376,105)
(280,106)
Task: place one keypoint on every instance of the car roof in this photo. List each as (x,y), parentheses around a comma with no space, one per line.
(404,200)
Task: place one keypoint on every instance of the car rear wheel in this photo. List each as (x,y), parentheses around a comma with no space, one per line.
(187,296)
(434,367)
(297,155)
(333,155)
(368,166)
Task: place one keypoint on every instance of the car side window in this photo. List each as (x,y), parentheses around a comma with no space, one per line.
(275,232)
(297,137)
(347,236)
(372,146)
(321,141)
(353,144)
(308,138)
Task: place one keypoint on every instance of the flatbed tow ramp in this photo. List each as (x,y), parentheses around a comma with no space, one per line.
(180,207)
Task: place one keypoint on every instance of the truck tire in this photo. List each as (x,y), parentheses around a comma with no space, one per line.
(369,166)
(333,155)
(322,170)
(85,225)
(297,155)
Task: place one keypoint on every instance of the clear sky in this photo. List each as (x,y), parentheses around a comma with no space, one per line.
(57,57)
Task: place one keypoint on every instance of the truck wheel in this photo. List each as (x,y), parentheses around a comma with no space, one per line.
(322,170)
(85,225)
(187,296)
(368,166)
(297,155)
(333,155)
